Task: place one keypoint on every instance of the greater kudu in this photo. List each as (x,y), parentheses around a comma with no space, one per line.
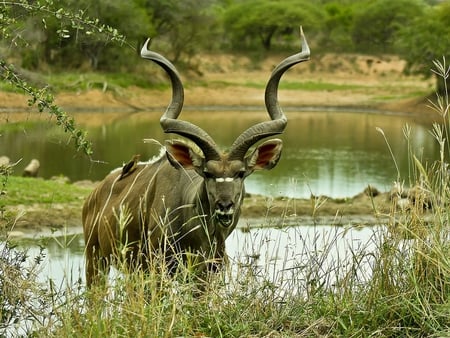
(189,201)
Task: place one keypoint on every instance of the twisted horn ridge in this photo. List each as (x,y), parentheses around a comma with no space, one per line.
(278,123)
(169,121)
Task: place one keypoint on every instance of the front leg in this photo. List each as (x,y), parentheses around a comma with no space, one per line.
(97,266)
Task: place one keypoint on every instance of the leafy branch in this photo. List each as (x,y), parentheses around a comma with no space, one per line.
(45,102)
(77,20)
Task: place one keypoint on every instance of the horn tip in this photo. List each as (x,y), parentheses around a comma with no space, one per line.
(145,47)
(305,47)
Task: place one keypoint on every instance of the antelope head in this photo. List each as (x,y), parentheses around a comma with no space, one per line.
(224,173)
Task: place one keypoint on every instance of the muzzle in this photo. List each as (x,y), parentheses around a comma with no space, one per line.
(224,213)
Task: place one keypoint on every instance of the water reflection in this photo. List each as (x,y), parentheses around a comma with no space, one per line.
(330,153)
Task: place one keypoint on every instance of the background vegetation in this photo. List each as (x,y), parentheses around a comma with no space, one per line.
(65,35)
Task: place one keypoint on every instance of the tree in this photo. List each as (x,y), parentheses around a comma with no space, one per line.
(426,40)
(375,23)
(337,26)
(66,44)
(264,20)
(186,26)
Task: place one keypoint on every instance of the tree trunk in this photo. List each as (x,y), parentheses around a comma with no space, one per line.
(266,38)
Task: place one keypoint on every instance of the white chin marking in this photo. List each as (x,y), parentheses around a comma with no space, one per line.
(223,213)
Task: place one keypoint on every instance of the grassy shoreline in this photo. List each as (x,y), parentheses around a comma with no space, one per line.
(36,204)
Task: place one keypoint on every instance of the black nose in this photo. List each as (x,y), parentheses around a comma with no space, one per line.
(225,206)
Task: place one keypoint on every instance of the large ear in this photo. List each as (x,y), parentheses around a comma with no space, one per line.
(265,156)
(181,155)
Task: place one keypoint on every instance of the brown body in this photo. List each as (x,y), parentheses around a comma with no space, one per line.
(166,208)
(187,201)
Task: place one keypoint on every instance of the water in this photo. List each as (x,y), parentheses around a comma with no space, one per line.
(278,255)
(336,154)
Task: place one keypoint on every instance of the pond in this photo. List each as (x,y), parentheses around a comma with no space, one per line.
(325,153)
(279,255)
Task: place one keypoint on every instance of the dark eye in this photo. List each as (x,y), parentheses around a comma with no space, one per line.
(240,174)
(208,175)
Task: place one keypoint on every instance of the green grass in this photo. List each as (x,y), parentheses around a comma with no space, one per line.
(25,190)
(288,85)
(401,95)
(21,126)
(309,85)
(7,87)
(89,80)
(103,81)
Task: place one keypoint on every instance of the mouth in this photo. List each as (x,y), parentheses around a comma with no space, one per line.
(225,219)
